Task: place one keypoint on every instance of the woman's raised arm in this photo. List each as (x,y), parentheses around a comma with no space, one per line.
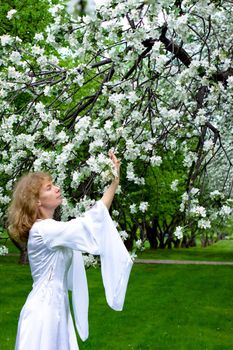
(111,190)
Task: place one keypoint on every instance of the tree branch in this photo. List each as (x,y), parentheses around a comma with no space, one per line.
(178,51)
(223,75)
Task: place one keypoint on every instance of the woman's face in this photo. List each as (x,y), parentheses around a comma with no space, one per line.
(49,196)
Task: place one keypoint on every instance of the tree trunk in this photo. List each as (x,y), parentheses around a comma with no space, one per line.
(170,241)
(151,234)
(161,241)
(192,241)
(23,259)
(184,243)
(129,241)
(204,241)
(177,243)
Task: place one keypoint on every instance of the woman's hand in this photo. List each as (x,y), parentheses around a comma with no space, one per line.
(116,163)
(110,191)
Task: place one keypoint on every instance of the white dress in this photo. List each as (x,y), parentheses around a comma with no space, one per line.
(56,264)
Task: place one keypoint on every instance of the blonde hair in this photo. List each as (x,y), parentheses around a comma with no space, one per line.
(23,210)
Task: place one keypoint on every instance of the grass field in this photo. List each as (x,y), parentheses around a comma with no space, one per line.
(167,307)
(220,251)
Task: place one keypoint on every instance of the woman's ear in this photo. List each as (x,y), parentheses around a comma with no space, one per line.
(39,203)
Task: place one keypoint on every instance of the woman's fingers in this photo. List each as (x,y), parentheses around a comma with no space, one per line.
(115,161)
(113,157)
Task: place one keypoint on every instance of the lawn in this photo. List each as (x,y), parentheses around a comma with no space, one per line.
(220,251)
(167,307)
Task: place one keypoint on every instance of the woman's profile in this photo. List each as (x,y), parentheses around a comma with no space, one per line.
(55,256)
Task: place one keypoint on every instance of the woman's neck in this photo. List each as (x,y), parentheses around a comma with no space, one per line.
(45,214)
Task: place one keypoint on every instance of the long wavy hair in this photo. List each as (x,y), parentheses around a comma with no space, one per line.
(23,210)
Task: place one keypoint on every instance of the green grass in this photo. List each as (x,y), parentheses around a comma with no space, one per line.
(167,307)
(15,283)
(220,251)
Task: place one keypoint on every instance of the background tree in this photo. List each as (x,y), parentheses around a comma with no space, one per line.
(151,80)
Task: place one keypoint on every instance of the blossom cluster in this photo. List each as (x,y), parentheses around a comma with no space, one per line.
(3,250)
(90,260)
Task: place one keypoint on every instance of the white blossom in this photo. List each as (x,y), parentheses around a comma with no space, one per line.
(3,250)
(174,185)
(216,194)
(133,256)
(178,232)
(47,90)
(132,97)
(13,73)
(54,10)
(115,212)
(139,245)
(194,191)
(15,57)
(204,224)
(143,206)
(199,211)
(185,198)
(225,211)
(39,36)
(156,160)
(124,235)
(90,260)
(208,145)
(190,157)
(11,14)
(133,208)
(39,107)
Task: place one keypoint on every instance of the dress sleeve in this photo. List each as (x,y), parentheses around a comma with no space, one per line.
(82,233)
(94,233)
(116,262)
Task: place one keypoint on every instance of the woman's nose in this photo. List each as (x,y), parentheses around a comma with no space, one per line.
(57,188)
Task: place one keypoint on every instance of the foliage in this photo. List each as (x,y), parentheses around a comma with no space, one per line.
(153,81)
(30,18)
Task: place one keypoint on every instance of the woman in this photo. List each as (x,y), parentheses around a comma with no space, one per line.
(54,250)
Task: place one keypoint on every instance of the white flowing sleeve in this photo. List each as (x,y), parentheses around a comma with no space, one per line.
(82,233)
(93,233)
